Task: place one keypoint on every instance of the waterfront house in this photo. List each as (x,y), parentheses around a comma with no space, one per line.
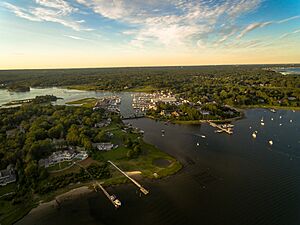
(7,176)
(105,146)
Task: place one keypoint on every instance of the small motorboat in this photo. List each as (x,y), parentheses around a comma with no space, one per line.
(254,135)
(262,123)
(203,136)
(272,119)
(198,144)
(270,142)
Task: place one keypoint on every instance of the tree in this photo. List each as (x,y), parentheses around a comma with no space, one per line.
(73,135)
(56,132)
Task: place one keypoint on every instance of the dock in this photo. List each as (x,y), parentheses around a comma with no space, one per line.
(142,189)
(112,198)
(221,129)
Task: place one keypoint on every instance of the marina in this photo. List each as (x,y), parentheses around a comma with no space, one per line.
(215,164)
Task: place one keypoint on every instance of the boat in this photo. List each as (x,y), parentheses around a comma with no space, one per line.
(218,131)
(272,119)
(270,142)
(163,131)
(291,121)
(280,117)
(198,144)
(203,136)
(262,123)
(280,124)
(254,135)
(273,110)
(262,119)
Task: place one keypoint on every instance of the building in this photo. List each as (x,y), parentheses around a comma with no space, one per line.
(7,176)
(82,155)
(105,146)
(62,156)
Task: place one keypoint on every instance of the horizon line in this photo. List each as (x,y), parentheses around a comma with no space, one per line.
(148,66)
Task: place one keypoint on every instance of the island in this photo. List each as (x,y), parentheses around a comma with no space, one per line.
(37,99)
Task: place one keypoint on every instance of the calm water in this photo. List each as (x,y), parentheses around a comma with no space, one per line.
(226,180)
(295,70)
(67,95)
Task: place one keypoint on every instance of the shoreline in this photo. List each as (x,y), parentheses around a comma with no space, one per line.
(54,203)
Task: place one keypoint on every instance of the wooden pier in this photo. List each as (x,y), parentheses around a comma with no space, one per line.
(142,189)
(112,198)
(116,202)
(221,129)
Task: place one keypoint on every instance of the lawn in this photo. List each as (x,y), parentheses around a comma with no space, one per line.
(85,102)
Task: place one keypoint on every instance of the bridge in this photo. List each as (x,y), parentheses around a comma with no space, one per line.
(134,116)
(142,189)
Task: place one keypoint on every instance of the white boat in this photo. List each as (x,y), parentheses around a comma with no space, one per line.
(254,135)
(291,121)
(198,144)
(262,119)
(280,124)
(203,136)
(280,117)
(272,119)
(270,142)
(273,110)
(262,123)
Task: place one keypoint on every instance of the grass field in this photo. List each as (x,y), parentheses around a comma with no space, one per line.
(85,102)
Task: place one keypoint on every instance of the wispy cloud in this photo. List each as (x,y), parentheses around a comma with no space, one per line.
(254,26)
(289,34)
(56,11)
(76,37)
(176,23)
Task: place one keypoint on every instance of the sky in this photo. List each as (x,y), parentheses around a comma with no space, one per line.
(117,33)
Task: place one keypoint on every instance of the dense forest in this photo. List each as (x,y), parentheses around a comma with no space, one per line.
(31,132)
(243,85)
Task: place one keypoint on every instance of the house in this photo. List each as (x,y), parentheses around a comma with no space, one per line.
(7,176)
(82,155)
(105,146)
(205,113)
(162,113)
(292,98)
(176,114)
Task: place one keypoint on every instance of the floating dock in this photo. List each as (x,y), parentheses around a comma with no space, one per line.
(221,129)
(142,189)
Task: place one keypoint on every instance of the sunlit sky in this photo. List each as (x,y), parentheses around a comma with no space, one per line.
(108,33)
